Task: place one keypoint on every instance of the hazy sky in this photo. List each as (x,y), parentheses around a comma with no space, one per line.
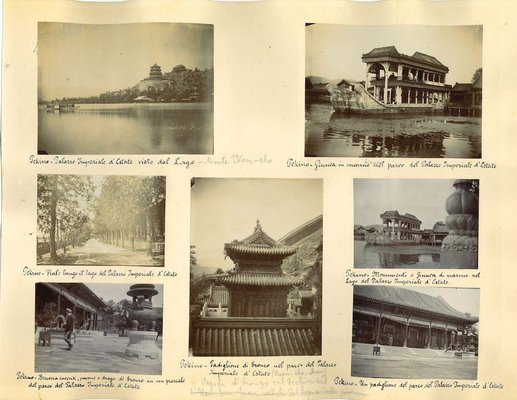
(227,209)
(462,299)
(117,292)
(334,51)
(424,198)
(86,60)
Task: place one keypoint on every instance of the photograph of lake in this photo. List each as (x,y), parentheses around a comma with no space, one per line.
(416,223)
(125,88)
(393,91)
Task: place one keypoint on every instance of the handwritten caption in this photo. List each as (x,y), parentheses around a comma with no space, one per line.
(431,384)
(278,379)
(45,381)
(177,162)
(405,278)
(389,165)
(85,273)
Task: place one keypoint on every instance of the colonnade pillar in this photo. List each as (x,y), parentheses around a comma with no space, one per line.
(386,67)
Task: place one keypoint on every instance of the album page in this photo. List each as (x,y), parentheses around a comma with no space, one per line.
(271,199)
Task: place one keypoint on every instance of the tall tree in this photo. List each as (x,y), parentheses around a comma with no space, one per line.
(477,74)
(64,202)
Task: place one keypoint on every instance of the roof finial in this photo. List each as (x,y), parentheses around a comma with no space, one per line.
(258,225)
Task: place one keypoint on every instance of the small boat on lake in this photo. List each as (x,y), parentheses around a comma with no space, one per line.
(61,107)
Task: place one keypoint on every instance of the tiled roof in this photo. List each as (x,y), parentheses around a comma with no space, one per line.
(218,296)
(260,243)
(391,51)
(382,51)
(426,58)
(411,299)
(231,337)
(461,87)
(260,279)
(395,214)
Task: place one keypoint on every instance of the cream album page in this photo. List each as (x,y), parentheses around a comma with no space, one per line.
(285,199)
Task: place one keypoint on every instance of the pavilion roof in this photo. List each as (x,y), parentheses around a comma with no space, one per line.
(396,214)
(426,58)
(254,337)
(260,279)
(391,51)
(218,295)
(258,243)
(383,51)
(461,87)
(411,299)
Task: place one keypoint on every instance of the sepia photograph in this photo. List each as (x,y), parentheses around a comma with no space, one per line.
(416,223)
(256,267)
(144,88)
(101,220)
(393,91)
(415,332)
(98,327)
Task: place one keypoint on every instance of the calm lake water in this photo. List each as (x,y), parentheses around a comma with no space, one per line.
(430,136)
(375,257)
(183,128)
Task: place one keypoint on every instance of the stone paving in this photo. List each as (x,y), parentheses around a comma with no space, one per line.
(95,252)
(414,367)
(96,354)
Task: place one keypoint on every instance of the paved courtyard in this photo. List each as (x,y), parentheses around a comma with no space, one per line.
(415,367)
(98,354)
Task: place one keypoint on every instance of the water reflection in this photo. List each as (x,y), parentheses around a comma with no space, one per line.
(127,129)
(331,134)
(378,257)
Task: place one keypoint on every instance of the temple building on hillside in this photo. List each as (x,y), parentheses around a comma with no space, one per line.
(155,72)
(389,315)
(395,78)
(254,321)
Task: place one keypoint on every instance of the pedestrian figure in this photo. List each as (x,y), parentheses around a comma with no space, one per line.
(69,328)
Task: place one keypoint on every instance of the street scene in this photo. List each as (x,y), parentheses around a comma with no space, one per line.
(97,328)
(101,220)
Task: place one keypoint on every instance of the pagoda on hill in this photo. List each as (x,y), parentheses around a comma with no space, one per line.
(257,286)
(156,72)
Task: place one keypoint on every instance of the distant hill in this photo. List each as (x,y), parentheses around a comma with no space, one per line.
(181,84)
(319,79)
(199,270)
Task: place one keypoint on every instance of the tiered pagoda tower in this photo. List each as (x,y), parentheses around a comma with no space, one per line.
(256,322)
(156,72)
(258,287)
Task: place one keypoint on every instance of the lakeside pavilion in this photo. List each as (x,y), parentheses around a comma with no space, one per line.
(251,317)
(395,78)
(401,227)
(406,318)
